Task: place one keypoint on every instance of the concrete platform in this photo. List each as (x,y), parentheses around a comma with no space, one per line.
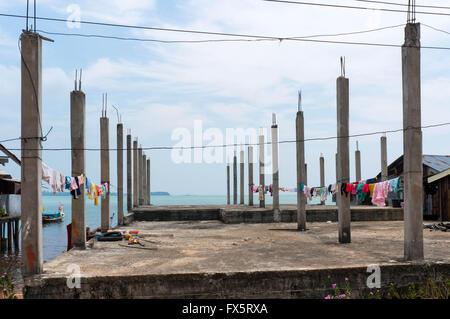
(234,214)
(210,259)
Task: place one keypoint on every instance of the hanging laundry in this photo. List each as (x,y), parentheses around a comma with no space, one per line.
(54,178)
(354,188)
(395,184)
(333,189)
(323,196)
(379,195)
(68,182)
(360,192)
(371,189)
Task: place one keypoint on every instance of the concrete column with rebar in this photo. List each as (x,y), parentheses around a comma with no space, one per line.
(384,172)
(135,174)
(262,196)
(322,175)
(275,173)
(31,168)
(78,143)
(105,172)
(148,183)
(412,144)
(234,179)
(228,184)
(343,199)
(357,163)
(250,175)
(144,179)
(120,174)
(129,174)
(241,175)
(140,177)
(301,171)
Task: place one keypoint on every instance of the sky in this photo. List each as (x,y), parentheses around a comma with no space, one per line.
(163,88)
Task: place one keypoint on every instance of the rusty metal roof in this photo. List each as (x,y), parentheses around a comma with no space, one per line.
(439,163)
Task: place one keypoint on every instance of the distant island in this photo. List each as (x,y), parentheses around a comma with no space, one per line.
(160,193)
(46,193)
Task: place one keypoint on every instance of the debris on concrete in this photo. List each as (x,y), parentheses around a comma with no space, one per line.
(445,227)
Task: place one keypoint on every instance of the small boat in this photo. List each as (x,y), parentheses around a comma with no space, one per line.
(53,217)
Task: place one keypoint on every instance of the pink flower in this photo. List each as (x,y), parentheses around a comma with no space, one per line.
(333,285)
(342,296)
(346,279)
(327,297)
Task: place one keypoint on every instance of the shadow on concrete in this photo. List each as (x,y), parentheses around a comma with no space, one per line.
(288,230)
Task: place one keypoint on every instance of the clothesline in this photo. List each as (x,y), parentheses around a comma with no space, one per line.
(378,191)
(59,183)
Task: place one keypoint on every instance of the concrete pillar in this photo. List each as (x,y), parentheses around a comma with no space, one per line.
(228,184)
(141,177)
(262,202)
(412,144)
(78,143)
(144,179)
(31,168)
(234,179)
(322,175)
(104,167)
(135,174)
(120,174)
(337,170)
(148,183)
(275,174)
(301,171)
(129,179)
(241,173)
(250,175)
(357,163)
(384,164)
(306,174)
(343,201)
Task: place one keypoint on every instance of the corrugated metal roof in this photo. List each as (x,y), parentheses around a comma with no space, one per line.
(4,175)
(437,162)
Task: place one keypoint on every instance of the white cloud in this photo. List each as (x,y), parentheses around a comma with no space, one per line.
(110,11)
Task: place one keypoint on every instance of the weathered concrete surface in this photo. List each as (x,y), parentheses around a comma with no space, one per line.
(262,199)
(129,179)
(241,177)
(228,184)
(301,170)
(322,174)
(135,174)
(412,143)
(31,154)
(252,214)
(275,174)
(288,214)
(384,162)
(140,177)
(105,171)
(213,260)
(78,161)
(174,213)
(343,163)
(250,175)
(358,165)
(120,173)
(234,180)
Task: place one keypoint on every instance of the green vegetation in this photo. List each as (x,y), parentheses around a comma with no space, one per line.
(3,212)
(7,287)
(436,288)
